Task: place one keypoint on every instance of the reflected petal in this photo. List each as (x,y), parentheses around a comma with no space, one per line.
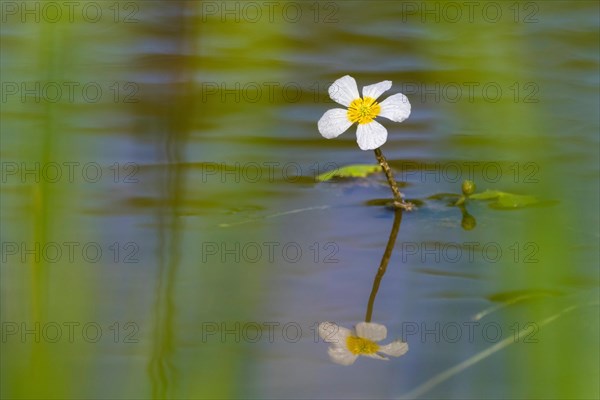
(341,355)
(371,330)
(395,349)
(376,356)
(331,332)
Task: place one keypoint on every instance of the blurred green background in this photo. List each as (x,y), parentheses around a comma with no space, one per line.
(163,235)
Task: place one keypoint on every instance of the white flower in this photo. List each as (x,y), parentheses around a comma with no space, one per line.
(347,345)
(370,134)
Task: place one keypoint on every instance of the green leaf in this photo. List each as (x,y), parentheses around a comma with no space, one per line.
(487,195)
(514,201)
(505,200)
(349,171)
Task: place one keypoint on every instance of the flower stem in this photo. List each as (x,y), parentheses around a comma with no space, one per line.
(398,200)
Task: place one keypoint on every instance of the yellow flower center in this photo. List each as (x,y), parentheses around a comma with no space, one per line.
(358,345)
(364,110)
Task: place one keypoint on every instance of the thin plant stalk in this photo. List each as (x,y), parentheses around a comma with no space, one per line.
(398,198)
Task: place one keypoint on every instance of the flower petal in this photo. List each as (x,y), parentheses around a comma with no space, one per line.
(371,330)
(395,349)
(376,89)
(376,356)
(340,355)
(333,123)
(331,332)
(344,90)
(371,136)
(395,107)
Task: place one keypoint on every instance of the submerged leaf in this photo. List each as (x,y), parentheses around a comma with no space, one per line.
(349,171)
(517,295)
(443,196)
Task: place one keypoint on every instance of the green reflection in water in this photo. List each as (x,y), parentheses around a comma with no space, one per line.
(513,128)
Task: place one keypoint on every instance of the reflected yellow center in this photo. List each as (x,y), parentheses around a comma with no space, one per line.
(358,345)
(364,110)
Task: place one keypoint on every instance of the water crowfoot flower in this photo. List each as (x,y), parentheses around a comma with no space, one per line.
(347,345)
(370,134)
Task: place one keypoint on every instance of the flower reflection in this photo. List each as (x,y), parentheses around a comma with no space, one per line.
(468,221)
(347,345)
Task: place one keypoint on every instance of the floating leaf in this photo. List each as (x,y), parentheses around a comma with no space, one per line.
(505,200)
(349,171)
(514,201)
(487,195)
